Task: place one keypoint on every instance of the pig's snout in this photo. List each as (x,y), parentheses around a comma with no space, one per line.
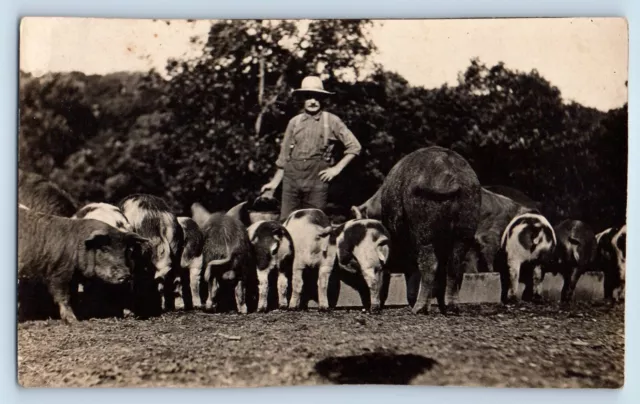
(373,280)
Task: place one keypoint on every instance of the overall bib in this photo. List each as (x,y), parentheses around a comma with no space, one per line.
(302,187)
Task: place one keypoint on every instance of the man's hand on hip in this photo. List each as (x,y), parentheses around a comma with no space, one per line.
(329,174)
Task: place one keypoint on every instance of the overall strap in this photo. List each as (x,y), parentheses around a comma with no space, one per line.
(325,128)
(296,119)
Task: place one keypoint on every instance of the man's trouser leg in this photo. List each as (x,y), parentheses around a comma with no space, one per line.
(291,199)
(317,197)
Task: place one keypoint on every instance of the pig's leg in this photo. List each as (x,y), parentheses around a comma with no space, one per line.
(195,271)
(427,264)
(570,280)
(240,297)
(323,285)
(169,295)
(412,282)
(296,287)
(283,284)
(455,275)
(538,277)
(185,284)
(513,265)
(214,285)
(60,292)
(384,288)
(263,290)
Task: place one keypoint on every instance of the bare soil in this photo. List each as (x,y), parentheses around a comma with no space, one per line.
(486,345)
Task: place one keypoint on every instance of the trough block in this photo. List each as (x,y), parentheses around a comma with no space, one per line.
(483,288)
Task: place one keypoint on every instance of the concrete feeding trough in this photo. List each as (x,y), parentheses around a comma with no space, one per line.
(482,288)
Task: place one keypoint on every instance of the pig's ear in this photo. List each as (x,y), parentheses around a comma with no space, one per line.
(325,232)
(199,214)
(274,247)
(356,212)
(97,239)
(346,259)
(142,242)
(383,252)
(241,213)
(135,237)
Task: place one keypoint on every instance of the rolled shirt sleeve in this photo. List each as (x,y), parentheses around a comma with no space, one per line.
(284,146)
(350,142)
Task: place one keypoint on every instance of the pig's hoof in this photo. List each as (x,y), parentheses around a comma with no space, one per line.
(261,310)
(417,309)
(537,299)
(375,310)
(451,310)
(70,319)
(283,307)
(324,309)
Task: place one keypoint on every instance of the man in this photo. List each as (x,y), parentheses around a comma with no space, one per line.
(305,164)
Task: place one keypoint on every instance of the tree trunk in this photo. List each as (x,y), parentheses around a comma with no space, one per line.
(261,105)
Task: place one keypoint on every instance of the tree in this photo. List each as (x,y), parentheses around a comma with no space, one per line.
(55,118)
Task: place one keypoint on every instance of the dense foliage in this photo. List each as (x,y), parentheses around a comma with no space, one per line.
(211,131)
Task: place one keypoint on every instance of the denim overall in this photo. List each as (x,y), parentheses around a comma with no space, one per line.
(302,186)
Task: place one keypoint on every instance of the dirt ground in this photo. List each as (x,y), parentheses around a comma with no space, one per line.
(487,345)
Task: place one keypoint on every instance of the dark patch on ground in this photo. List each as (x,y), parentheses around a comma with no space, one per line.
(374,368)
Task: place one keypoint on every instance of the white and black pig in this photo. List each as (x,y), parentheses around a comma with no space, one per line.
(362,254)
(151,217)
(315,256)
(274,254)
(105,212)
(611,260)
(228,263)
(527,243)
(58,252)
(191,261)
(358,249)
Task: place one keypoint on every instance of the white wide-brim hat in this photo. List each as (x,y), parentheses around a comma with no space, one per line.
(312,84)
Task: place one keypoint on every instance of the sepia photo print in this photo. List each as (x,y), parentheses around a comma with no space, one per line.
(252,203)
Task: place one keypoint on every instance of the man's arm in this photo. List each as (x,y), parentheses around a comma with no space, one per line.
(275,181)
(282,158)
(352,149)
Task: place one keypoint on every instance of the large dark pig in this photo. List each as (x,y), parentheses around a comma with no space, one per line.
(151,218)
(515,195)
(573,255)
(100,300)
(58,252)
(191,261)
(274,255)
(228,260)
(315,256)
(526,245)
(362,254)
(430,204)
(611,260)
(41,195)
